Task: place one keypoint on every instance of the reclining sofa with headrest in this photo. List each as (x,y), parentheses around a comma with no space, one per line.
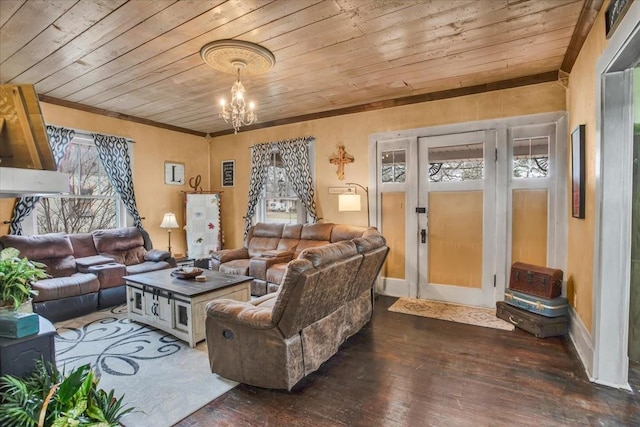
(268,249)
(86,269)
(326,296)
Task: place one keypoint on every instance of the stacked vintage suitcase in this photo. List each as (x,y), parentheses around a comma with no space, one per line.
(533,301)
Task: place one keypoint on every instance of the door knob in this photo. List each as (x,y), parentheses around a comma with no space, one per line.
(423,235)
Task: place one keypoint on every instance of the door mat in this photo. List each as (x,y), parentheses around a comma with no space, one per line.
(160,375)
(478,316)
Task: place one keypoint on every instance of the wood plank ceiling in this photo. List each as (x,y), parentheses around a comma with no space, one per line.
(140,59)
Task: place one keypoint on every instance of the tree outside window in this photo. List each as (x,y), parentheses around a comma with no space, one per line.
(92,201)
(280,203)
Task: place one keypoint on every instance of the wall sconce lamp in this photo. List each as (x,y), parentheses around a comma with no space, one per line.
(169,221)
(351,202)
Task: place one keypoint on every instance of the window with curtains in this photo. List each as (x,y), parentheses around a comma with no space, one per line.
(92,203)
(279,203)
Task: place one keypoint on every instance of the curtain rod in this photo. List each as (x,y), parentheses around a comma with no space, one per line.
(308,138)
(88,135)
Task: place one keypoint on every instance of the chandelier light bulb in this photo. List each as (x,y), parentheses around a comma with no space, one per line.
(252,105)
(222,102)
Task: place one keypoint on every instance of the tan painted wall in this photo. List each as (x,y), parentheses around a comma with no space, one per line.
(581,100)
(353,131)
(152,147)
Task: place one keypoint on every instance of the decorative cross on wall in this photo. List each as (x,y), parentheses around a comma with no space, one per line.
(340,160)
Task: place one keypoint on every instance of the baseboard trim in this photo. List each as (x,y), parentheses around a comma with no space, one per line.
(393,287)
(582,341)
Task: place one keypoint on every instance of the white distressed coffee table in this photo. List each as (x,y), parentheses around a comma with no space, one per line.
(177,306)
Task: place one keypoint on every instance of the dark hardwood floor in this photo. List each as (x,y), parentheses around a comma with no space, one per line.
(403,370)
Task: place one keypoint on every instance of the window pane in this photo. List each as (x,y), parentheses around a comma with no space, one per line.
(92,201)
(531,157)
(281,204)
(393,166)
(281,210)
(75,214)
(456,163)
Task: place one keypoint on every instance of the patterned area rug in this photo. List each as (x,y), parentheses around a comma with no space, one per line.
(477,316)
(161,376)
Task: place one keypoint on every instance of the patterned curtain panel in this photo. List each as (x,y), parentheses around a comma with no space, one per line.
(59,139)
(259,162)
(295,156)
(114,155)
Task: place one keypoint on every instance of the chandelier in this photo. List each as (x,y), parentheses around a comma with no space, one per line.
(236,112)
(233,56)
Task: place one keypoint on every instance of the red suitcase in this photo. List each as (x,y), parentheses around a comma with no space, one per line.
(536,280)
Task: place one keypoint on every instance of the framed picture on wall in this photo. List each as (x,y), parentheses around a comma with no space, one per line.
(577,172)
(228,171)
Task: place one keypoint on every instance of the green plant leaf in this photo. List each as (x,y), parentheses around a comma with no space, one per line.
(77,401)
(20,406)
(96,413)
(72,383)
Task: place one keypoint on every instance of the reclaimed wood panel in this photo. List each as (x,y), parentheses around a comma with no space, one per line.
(120,21)
(8,8)
(141,59)
(80,18)
(27,22)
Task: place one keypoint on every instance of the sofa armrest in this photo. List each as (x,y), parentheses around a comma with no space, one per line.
(109,275)
(226,255)
(258,266)
(84,264)
(156,255)
(277,253)
(240,313)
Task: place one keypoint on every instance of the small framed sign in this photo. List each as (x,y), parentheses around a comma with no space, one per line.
(228,173)
(173,173)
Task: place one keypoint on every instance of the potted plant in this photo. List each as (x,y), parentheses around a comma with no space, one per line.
(49,398)
(16,276)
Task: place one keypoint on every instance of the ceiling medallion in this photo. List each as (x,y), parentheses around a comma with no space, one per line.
(232,57)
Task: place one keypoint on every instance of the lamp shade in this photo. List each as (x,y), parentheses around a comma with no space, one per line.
(349,203)
(169,221)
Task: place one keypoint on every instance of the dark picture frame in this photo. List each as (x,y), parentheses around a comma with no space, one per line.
(228,171)
(577,172)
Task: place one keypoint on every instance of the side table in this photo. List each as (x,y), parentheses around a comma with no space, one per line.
(18,356)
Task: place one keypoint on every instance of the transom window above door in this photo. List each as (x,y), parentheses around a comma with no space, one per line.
(394,166)
(531,157)
(456,163)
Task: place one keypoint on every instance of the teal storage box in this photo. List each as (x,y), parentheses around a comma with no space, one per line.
(18,325)
(554,307)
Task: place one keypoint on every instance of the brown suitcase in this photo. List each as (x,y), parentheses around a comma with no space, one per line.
(535,280)
(535,324)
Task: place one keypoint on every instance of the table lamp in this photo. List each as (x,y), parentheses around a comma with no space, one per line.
(169,222)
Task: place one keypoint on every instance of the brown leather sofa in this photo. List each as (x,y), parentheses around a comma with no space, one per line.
(86,269)
(268,249)
(325,297)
